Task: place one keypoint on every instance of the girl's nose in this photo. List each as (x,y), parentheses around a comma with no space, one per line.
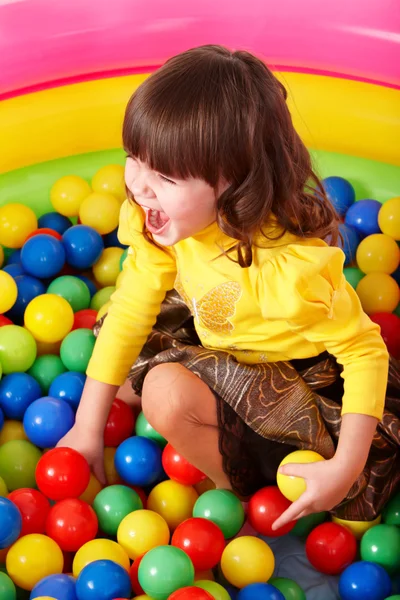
(141,189)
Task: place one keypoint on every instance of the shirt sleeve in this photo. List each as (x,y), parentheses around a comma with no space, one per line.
(149,272)
(311,292)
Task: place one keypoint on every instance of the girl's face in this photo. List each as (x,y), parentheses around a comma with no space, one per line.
(175,208)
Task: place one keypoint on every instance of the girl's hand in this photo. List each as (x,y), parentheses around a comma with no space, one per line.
(90,445)
(328,482)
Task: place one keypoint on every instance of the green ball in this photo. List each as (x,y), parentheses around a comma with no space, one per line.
(7,588)
(18,460)
(391,512)
(144,429)
(45,369)
(17,349)
(123,257)
(223,508)
(306,524)
(101,297)
(73,290)
(76,349)
(215,589)
(396,597)
(381,545)
(353,276)
(163,570)
(289,588)
(112,504)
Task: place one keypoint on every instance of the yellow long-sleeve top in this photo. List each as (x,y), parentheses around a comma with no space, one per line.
(292,302)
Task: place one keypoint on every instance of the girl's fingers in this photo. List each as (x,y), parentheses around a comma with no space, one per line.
(293,512)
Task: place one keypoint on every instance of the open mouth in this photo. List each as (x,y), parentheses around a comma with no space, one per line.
(156,220)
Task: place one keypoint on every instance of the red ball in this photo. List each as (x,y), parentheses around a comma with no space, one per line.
(71,523)
(331,548)
(190,593)
(34,508)
(62,473)
(390,331)
(85,319)
(120,424)
(45,230)
(133,575)
(5,321)
(179,469)
(202,540)
(265,507)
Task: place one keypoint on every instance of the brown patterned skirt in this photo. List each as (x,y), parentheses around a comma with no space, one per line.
(266,411)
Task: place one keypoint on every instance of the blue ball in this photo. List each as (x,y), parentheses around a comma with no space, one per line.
(14,269)
(111,240)
(47,420)
(349,244)
(83,246)
(61,587)
(28,288)
(43,256)
(363,217)
(14,258)
(69,387)
(10,522)
(260,591)
(138,461)
(55,221)
(364,581)
(17,392)
(340,192)
(92,286)
(103,580)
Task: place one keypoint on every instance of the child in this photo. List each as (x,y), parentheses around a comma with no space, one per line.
(222,207)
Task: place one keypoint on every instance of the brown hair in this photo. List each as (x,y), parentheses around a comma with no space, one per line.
(211,113)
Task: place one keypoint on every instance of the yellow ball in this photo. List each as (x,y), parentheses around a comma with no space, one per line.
(100,211)
(173,501)
(378,292)
(9,292)
(247,560)
(106,270)
(100,549)
(293,487)
(212,587)
(389,218)
(32,558)
(45,598)
(112,476)
(17,221)
(93,488)
(142,530)
(110,179)
(3,488)
(358,528)
(378,253)
(49,318)
(1,256)
(12,430)
(68,193)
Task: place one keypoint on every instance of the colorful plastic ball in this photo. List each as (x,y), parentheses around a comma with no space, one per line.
(68,387)
(83,246)
(306,524)
(190,593)
(3,488)
(289,588)
(46,231)
(34,508)
(5,321)
(260,591)
(138,461)
(91,284)
(103,580)
(111,240)
(114,503)
(107,268)
(100,211)
(391,512)
(293,487)
(378,292)
(9,292)
(71,523)
(381,545)
(12,430)
(215,589)
(55,221)
(144,429)
(331,548)
(134,576)
(12,256)
(85,319)
(112,476)
(43,256)
(164,570)
(353,276)
(14,270)
(7,588)
(102,297)
(17,392)
(349,243)
(10,522)
(389,218)
(120,423)
(390,331)
(223,508)
(17,349)
(18,460)
(99,549)
(378,253)
(47,420)
(62,473)
(179,469)
(247,560)
(28,288)
(265,507)
(202,541)
(49,318)
(32,558)
(142,530)
(364,581)
(357,528)
(17,221)
(363,217)
(93,488)
(68,193)
(110,179)
(76,349)
(173,501)
(73,290)
(340,192)
(61,587)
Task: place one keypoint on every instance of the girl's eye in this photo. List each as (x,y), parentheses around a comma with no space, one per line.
(166,179)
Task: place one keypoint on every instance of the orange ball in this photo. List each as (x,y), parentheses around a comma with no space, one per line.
(378,292)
